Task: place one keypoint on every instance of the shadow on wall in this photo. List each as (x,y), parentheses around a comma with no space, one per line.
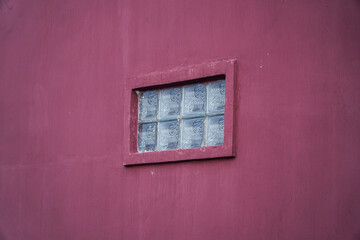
(6,4)
(1,235)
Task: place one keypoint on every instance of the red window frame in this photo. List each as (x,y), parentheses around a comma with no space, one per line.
(177,77)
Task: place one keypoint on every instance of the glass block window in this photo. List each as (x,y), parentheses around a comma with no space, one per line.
(190,116)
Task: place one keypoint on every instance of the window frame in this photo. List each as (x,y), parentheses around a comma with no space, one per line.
(173,78)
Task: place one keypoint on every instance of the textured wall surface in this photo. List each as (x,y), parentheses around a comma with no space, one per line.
(63,65)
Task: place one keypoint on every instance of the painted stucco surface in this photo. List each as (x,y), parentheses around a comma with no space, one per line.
(63,65)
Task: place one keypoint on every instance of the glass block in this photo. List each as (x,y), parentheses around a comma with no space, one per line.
(147,137)
(215,130)
(194,100)
(168,135)
(148,105)
(192,132)
(170,103)
(216,97)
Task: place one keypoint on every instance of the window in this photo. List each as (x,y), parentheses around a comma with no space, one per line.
(190,116)
(180,114)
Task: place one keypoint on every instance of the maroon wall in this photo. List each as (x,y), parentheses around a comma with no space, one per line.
(63,65)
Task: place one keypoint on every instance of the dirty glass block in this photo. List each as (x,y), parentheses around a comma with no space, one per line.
(168,135)
(192,132)
(148,105)
(216,97)
(194,100)
(170,103)
(147,137)
(215,130)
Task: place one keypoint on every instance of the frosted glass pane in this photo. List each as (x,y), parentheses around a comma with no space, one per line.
(215,130)
(192,132)
(148,105)
(147,137)
(170,103)
(194,100)
(216,96)
(168,135)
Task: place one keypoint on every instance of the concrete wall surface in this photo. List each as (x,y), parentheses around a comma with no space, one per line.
(63,66)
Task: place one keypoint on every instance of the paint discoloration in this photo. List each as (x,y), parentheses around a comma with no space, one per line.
(64,70)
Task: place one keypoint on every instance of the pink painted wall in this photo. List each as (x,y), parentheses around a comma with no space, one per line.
(62,70)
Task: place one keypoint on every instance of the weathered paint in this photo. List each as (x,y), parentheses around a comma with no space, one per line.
(63,66)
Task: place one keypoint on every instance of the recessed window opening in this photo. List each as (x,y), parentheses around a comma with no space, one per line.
(182,116)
